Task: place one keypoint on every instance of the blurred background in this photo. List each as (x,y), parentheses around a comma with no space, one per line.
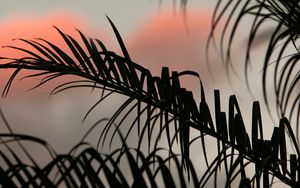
(156,35)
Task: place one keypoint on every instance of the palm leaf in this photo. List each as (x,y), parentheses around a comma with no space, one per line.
(167,107)
(282,45)
(89,168)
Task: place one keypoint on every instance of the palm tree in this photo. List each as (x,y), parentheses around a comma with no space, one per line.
(163,110)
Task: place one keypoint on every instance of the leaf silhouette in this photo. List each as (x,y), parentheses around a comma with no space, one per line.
(168,108)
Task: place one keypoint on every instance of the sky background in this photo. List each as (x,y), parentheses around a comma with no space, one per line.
(155,35)
(148,28)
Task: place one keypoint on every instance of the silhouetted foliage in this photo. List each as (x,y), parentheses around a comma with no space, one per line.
(166,106)
(274,22)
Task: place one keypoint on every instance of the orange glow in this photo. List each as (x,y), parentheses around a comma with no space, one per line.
(165,39)
(31,27)
(161,40)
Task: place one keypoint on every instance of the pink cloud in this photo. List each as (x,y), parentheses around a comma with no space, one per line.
(38,26)
(161,40)
(41,26)
(166,39)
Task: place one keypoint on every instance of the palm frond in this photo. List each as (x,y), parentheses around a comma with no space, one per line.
(90,168)
(166,107)
(282,45)
(119,74)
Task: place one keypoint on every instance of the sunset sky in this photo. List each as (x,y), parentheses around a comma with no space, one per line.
(147,28)
(154,34)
